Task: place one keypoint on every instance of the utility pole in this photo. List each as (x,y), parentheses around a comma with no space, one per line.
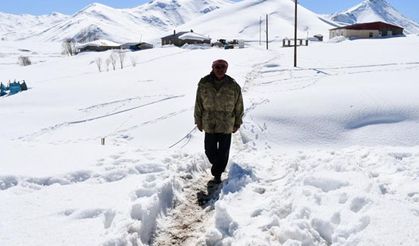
(267,36)
(295,34)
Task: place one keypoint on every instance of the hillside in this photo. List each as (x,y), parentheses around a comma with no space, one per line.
(146,22)
(13,27)
(242,20)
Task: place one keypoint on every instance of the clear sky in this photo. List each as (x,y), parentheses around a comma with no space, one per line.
(409,8)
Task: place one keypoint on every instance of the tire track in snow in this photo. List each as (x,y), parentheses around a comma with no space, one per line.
(121,111)
(297,82)
(119,103)
(57,126)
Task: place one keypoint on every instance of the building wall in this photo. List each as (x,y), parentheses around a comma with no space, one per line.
(349,33)
(363,33)
(98,48)
(181,42)
(336,33)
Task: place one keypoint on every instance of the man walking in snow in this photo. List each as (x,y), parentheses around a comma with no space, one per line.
(218,112)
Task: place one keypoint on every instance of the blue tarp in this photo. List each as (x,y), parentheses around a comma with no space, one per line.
(2,90)
(12,88)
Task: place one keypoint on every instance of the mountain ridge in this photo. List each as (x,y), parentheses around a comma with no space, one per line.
(99,21)
(375,10)
(157,18)
(14,27)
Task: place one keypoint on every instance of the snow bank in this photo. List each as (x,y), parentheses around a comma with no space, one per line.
(196,46)
(326,197)
(194,36)
(238,177)
(99,42)
(337,39)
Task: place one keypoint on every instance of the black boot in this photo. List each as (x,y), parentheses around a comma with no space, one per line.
(217,179)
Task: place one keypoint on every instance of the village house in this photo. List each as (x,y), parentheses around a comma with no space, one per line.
(367,30)
(98,45)
(104,45)
(136,46)
(97,48)
(181,38)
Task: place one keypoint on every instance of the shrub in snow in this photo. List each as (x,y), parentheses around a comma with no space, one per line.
(133,61)
(24,61)
(98,62)
(112,59)
(121,55)
(69,47)
(108,61)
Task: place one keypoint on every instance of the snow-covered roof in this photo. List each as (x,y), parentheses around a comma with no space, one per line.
(194,36)
(369,26)
(99,42)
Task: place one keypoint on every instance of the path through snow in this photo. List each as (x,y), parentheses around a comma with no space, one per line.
(194,212)
(189,220)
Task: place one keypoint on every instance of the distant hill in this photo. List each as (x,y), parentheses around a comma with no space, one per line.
(98,21)
(13,27)
(242,20)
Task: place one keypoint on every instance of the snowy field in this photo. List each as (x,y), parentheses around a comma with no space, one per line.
(328,153)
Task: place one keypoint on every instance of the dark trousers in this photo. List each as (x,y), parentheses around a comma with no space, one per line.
(217,149)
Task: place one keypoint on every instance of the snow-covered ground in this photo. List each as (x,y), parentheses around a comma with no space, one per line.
(327,155)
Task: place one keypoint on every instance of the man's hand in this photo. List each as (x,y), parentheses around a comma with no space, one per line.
(235,128)
(199,126)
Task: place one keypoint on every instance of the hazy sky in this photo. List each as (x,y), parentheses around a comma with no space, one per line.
(409,8)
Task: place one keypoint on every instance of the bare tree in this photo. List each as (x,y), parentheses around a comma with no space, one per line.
(108,61)
(112,58)
(133,61)
(121,55)
(98,62)
(69,47)
(24,60)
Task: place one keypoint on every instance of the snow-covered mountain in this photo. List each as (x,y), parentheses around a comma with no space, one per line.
(375,10)
(147,21)
(242,20)
(14,27)
(152,20)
